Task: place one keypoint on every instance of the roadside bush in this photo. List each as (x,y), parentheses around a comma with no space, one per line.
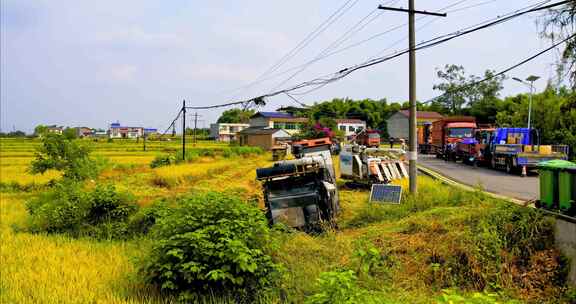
(211,243)
(68,208)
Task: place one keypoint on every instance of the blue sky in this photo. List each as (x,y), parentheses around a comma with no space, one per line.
(89,63)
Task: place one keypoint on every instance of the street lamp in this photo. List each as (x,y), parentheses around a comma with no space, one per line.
(530,83)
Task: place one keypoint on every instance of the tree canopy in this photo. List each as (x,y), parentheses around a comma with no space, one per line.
(560,24)
(235,116)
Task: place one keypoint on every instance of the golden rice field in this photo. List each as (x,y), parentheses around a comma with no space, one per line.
(39,268)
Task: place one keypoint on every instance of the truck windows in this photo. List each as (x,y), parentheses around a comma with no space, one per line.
(373,135)
(460,132)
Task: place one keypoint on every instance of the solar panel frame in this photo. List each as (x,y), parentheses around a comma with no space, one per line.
(382,193)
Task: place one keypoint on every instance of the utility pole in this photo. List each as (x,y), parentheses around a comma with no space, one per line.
(184,130)
(413,128)
(195,126)
(144,141)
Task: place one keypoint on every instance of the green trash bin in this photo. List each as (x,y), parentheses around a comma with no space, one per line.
(550,188)
(567,189)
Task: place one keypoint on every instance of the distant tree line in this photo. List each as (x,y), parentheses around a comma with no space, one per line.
(12,134)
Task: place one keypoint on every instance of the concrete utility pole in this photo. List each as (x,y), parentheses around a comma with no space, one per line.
(195,126)
(184,130)
(413,128)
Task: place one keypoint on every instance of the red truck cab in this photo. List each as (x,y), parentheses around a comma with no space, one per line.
(448,132)
(368,138)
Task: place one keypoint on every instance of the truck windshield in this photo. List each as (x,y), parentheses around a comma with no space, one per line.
(373,135)
(460,132)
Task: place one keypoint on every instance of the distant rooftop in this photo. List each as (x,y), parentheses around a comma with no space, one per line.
(273,115)
(352,121)
(423,114)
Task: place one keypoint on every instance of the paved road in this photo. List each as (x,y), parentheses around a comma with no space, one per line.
(524,188)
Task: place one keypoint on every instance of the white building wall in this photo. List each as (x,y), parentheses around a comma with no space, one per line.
(398,126)
(349,129)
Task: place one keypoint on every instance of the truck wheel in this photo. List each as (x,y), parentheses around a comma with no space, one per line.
(509,167)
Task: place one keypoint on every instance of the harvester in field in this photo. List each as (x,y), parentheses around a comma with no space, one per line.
(364,166)
(302,193)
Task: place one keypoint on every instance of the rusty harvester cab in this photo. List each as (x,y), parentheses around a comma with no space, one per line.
(302,193)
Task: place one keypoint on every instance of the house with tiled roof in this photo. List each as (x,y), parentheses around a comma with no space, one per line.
(398,123)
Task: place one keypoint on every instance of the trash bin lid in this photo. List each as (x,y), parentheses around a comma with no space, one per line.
(557,164)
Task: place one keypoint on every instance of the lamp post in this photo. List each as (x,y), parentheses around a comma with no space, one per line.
(530,83)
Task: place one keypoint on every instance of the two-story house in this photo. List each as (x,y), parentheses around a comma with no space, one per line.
(278,120)
(118,131)
(226,132)
(350,126)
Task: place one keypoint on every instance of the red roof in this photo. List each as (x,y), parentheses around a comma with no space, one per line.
(355,121)
(423,114)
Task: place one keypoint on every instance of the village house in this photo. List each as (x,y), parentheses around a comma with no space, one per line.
(398,123)
(226,132)
(84,132)
(278,120)
(150,131)
(54,129)
(350,126)
(100,133)
(265,138)
(118,131)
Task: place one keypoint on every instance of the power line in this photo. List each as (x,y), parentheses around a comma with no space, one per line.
(321,81)
(492,76)
(296,100)
(357,44)
(306,41)
(349,33)
(172,123)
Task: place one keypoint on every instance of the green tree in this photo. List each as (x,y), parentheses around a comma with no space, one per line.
(40,130)
(69,133)
(559,24)
(235,116)
(469,95)
(59,153)
(453,97)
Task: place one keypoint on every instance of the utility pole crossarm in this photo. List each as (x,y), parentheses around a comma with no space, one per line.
(411,11)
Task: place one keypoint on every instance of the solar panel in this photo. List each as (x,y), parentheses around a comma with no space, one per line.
(386,193)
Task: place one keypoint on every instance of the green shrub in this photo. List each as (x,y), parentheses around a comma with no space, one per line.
(338,287)
(69,208)
(61,209)
(142,222)
(450,296)
(59,153)
(162,160)
(211,243)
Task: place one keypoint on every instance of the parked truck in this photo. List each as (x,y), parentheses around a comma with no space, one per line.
(519,150)
(368,138)
(473,150)
(448,132)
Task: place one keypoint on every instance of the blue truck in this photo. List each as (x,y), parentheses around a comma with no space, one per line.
(519,150)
